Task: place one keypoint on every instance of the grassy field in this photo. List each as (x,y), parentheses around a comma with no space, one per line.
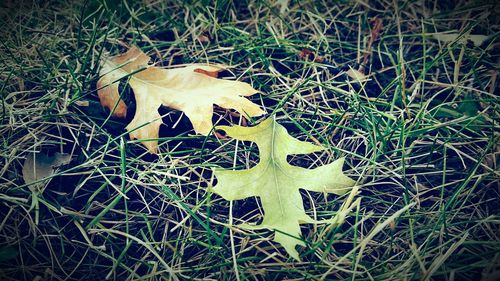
(420,136)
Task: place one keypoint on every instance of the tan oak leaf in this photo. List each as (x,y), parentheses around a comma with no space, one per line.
(193,89)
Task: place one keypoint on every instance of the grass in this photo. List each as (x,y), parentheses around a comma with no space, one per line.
(420,137)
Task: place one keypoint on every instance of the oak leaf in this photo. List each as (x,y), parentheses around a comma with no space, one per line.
(277,183)
(477,39)
(192,89)
(39,165)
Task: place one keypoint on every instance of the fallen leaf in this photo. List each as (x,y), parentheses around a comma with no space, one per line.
(309,55)
(356,75)
(192,89)
(374,34)
(39,165)
(277,183)
(204,38)
(477,39)
(283,5)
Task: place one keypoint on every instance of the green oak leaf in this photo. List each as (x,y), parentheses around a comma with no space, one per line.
(277,183)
